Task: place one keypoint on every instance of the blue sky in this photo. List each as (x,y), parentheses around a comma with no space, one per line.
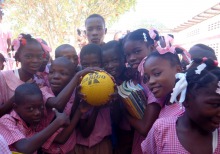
(168,12)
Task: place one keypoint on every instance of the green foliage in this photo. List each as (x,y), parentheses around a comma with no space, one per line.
(56,20)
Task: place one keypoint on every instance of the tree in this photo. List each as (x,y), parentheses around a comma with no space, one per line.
(57,21)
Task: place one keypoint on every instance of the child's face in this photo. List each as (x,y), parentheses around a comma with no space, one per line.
(59,76)
(95,30)
(91,60)
(112,62)
(31,110)
(203,108)
(160,76)
(70,54)
(135,51)
(31,58)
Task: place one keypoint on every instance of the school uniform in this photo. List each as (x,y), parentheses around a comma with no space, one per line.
(13,128)
(138,138)
(9,81)
(162,139)
(99,140)
(49,146)
(176,109)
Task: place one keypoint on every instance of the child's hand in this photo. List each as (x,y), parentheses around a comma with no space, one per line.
(62,118)
(81,96)
(114,96)
(88,70)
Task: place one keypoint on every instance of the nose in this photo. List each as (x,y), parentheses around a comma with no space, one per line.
(56,75)
(94,32)
(151,80)
(37,112)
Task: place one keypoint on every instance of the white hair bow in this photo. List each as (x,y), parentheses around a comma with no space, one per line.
(180,88)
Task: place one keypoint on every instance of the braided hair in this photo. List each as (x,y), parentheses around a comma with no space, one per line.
(26,39)
(138,35)
(210,74)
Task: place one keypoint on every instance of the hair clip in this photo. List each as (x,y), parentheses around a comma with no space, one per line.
(200,68)
(145,37)
(218,89)
(215,62)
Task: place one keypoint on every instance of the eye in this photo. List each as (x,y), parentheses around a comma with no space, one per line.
(215,105)
(31,109)
(137,51)
(28,56)
(157,73)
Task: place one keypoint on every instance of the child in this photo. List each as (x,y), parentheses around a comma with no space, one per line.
(22,128)
(114,64)
(160,69)
(29,54)
(95,29)
(60,95)
(93,134)
(41,76)
(68,51)
(137,45)
(202,50)
(2,61)
(197,130)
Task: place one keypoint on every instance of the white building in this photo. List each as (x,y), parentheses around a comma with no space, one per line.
(203,28)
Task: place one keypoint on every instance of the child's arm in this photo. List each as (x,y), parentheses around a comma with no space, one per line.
(63,136)
(6,107)
(144,125)
(87,125)
(30,145)
(59,102)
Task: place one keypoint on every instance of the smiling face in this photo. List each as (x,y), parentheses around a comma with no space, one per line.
(203,108)
(135,51)
(112,62)
(95,30)
(160,76)
(60,74)
(32,109)
(31,58)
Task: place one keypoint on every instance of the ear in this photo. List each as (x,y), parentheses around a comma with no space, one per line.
(178,69)
(105,30)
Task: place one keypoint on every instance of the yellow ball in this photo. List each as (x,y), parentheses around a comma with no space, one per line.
(97,87)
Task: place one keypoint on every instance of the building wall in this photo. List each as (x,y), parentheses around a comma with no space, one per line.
(206,32)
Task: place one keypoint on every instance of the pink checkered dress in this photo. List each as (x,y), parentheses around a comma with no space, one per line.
(138,138)
(162,139)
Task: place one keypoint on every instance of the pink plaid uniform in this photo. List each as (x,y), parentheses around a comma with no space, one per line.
(101,129)
(8,83)
(162,139)
(138,138)
(13,129)
(4,146)
(49,146)
(175,109)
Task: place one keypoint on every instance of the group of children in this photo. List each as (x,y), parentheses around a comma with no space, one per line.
(42,110)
